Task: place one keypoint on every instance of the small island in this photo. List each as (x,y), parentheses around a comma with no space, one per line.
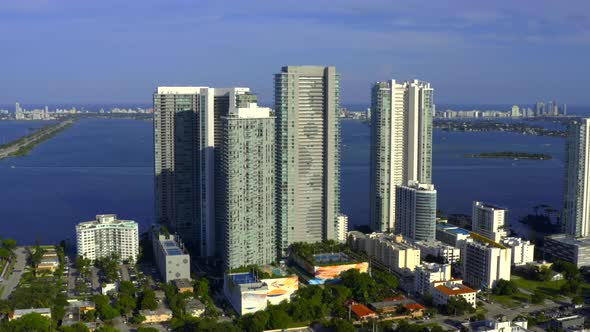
(510,155)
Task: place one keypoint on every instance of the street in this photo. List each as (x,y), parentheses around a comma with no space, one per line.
(12,281)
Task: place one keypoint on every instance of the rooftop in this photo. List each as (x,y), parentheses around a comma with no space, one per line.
(182,283)
(452,229)
(391,302)
(170,246)
(159,311)
(486,241)
(81,304)
(433,244)
(328,258)
(489,206)
(414,306)
(361,310)
(432,267)
(22,312)
(243,278)
(194,304)
(513,241)
(397,241)
(454,289)
(106,220)
(568,239)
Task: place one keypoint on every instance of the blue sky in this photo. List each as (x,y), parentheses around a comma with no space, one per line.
(492,52)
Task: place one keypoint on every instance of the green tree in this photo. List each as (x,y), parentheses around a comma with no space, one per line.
(363,286)
(126,304)
(202,288)
(108,313)
(89,316)
(545,274)
(106,328)
(148,300)
(571,286)
(58,312)
(457,306)
(100,300)
(110,267)
(569,270)
(36,255)
(9,244)
(147,329)
(386,281)
(577,300)
(254,322)
(83,266)
(537,297)
(31,322)
(340,325)
(127,287)
(5,253)
(279,319)
(505,287)
(138,319)
(78,327)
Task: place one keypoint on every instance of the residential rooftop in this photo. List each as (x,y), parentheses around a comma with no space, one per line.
(362,310)
(568,239)
(452,229)
(486,241)
(452,288)
(182,283)
(490,206)
(106,220)
(243,278)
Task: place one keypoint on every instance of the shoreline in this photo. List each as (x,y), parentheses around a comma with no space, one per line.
(509,155)
(23,145)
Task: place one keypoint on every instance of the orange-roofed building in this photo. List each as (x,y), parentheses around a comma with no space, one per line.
(416,309)
(362,311)
(395,298)
(442,291)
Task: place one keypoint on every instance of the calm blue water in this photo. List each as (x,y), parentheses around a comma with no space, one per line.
(97,166)
(105,166)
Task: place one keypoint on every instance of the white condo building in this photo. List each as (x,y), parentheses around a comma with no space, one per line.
(106,236)
(442,291)
(523,252)
(307,108)
(485,262)
(489,220)
(393,251)
(342,228)
(427,273)
(576,210)
(401,144)
(415,214)
(438,249)
(188,134)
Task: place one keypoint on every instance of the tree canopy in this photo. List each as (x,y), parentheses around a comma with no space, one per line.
(505,287)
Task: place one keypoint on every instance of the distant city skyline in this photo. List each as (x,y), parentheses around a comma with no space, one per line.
(473,52)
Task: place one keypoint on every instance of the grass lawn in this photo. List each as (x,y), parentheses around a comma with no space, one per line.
(510,301)
(551,289)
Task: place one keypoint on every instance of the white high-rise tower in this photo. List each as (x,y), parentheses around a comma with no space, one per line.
(576,211)
(401,144)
